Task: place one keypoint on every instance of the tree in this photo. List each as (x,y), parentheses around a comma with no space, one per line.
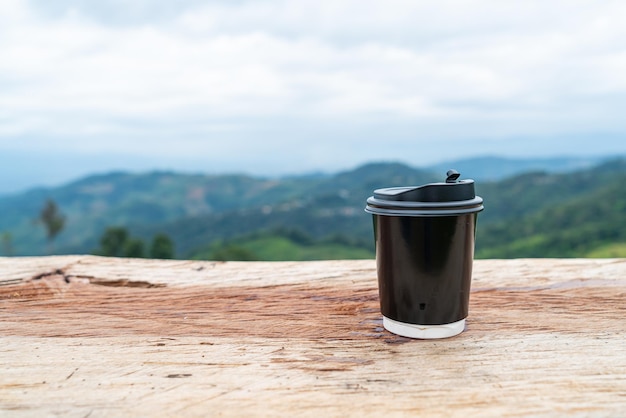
(162,247)
(117,242)
(52,219)
(113,242)
(134,248)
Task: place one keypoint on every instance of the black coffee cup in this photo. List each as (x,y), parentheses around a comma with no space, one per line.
(424,253)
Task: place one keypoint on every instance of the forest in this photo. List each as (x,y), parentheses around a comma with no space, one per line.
(577,213)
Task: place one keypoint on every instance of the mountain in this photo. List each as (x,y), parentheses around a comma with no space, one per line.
(554,215)
(577,227)
(536,213)
(329,207)
(524,204)
(93,203)
(527,193)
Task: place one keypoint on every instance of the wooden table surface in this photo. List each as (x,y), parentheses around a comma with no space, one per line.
(83,336)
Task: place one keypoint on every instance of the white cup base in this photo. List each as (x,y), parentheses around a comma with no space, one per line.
(425,332)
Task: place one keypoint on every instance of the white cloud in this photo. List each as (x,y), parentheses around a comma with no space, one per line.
(224,71)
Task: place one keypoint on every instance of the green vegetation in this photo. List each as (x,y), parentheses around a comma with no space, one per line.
(574,228)
(536,214)
(162,247)
(616,250)
(116,242)
(113,242)
(52,219)
(283,245)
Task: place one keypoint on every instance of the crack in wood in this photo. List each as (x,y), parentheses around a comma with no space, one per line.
(92,280)
(124,283)
(56,272)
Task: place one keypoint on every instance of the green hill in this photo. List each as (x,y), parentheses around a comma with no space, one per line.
(536,214)
(516,211)
(585,225)
(527,193)
(131,200)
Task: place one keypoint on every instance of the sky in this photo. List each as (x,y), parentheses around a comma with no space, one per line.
(273,87)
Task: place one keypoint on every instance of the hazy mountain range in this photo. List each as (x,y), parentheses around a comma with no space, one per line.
(553,207)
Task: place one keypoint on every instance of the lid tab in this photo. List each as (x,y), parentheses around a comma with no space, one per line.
(452,176)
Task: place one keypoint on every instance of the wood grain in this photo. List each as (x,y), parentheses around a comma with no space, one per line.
(89,336)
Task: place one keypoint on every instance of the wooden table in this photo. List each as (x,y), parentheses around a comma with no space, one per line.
(83,336)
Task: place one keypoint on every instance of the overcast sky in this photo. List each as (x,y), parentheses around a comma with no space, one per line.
(287,86)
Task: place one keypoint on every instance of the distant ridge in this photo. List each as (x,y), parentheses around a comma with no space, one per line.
(44,174)
(493,168)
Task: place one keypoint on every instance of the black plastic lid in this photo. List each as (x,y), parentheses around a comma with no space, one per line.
(452,197)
